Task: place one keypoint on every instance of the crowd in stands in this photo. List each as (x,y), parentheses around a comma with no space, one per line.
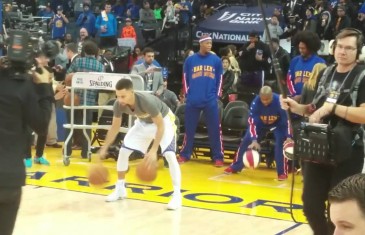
(147,14)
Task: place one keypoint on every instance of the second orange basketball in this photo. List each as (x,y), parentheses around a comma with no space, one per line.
(98,175)
(146,173)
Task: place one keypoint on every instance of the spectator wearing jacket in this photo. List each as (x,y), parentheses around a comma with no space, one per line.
(283,57)
(128,30)
(324,27)
(274,29)
(107,24)
(359,23)
(254,61)
(87,20)
(228,80)
(310,24)
(342,21)
(147,22)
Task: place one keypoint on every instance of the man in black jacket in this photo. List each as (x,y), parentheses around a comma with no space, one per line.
(254,61)
(23,104)
(294,26)
(283,58)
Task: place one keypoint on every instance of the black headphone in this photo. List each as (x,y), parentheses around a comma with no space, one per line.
(351,32)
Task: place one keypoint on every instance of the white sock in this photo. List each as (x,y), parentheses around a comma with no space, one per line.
(174,169)
(120,183)
(177,190)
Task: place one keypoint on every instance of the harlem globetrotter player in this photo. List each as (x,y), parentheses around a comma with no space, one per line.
(202,82)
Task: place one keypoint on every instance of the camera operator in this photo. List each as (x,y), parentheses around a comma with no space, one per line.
(23,103)
(342,105)
(49,138)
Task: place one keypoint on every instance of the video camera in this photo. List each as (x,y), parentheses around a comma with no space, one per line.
(22,48)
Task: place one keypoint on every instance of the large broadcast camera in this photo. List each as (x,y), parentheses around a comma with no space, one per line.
(20,18)
(22,48)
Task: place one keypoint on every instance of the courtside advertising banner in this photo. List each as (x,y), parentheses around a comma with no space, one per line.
(100,81)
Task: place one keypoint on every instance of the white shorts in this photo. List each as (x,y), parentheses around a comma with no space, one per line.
(140,136)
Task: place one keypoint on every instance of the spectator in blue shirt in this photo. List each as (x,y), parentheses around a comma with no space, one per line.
(119,10)
(46,12)
(133,10)
(185,11)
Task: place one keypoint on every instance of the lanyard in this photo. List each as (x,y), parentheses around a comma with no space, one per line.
(347,76)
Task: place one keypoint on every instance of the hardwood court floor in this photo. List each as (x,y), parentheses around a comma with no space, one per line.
(58,200)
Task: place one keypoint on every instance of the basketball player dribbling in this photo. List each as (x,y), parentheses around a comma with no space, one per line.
(155,122)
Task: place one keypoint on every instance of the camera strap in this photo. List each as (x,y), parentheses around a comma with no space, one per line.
(353,91)
(321,90)
(354,88)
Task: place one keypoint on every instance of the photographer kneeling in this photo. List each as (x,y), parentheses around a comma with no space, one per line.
(340,103)
(25,101)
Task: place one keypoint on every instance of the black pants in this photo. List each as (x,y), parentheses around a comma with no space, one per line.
(39,149)
(28,148)
(148,34)
(78,119)
(108,42)
(253,79)
(318,181)
(41,142)
(9,205)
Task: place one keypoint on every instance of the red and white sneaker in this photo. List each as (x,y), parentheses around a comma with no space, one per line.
(282,177)
(218,163)
(182,160)
(229,171)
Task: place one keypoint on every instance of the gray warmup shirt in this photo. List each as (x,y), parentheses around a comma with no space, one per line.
(146,107)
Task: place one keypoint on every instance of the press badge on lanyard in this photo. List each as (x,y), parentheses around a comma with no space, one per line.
(333,97)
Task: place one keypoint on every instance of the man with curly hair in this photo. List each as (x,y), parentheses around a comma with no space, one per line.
(301,66)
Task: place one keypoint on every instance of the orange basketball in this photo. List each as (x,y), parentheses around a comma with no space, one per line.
(98,175)
(146,173)
(67,100)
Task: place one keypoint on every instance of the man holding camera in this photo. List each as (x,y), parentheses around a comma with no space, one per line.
(339,102)
(87,20)
(23,103)
(254,62)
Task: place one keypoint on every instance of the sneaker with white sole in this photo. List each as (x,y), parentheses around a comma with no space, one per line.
(41,160)
(118,194)
(175,202)
(28,162)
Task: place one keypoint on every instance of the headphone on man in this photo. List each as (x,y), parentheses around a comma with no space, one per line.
(359,42)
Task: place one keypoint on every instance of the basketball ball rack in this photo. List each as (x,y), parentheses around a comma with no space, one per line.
(94,81)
